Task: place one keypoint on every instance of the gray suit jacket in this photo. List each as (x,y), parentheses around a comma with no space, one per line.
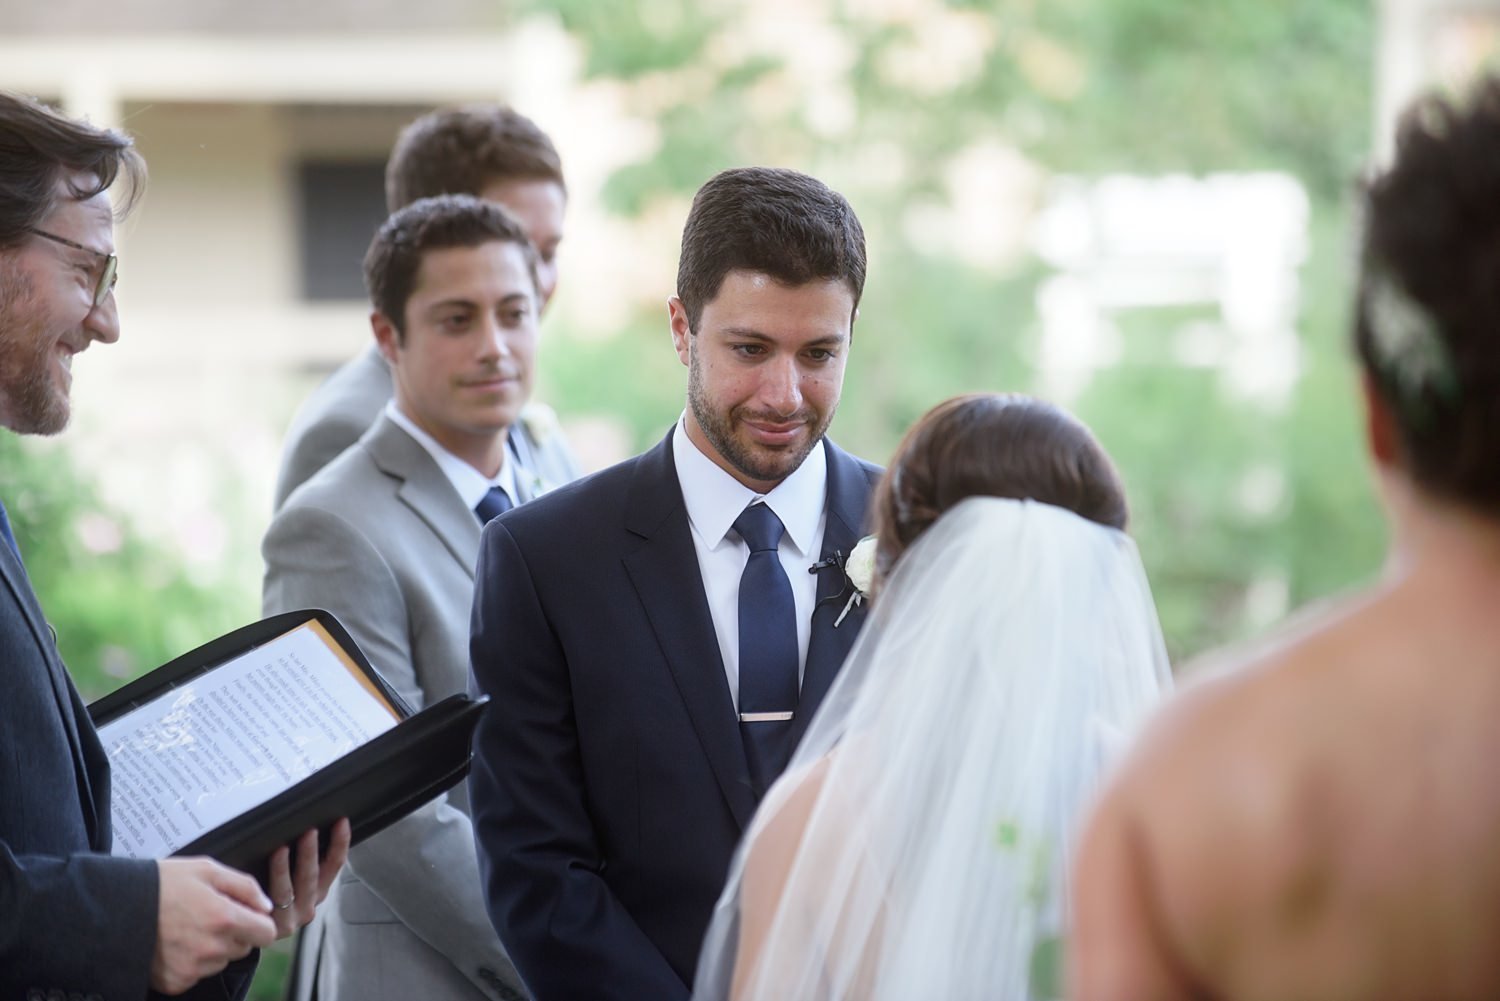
(344,407)
(381,539)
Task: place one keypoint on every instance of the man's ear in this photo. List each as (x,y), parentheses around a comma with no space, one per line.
(387,337)
(682,332)
(1382,437)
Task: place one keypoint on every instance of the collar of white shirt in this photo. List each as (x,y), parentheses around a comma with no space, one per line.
(715,499)
(469,482)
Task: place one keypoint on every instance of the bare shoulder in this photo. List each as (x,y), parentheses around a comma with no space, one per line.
(771,854)
(784,816)
(1223,772)
(1221,722)
(1268,809)
(1241,764)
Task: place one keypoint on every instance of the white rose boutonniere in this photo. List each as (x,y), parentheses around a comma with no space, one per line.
(541,422)
(541,425)
(859,570)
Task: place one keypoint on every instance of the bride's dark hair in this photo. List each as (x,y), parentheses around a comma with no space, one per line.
(991,445)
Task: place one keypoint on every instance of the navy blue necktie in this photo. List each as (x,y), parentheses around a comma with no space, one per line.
(7,534)
(768,649)
(492,504)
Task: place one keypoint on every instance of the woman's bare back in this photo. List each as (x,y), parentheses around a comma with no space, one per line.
(1325,822)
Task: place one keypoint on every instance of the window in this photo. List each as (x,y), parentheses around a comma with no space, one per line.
(341,205)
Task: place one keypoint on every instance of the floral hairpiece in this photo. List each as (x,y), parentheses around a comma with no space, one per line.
(1408,346)
(541,421)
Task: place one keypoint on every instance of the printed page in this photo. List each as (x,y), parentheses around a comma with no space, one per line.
(228,740)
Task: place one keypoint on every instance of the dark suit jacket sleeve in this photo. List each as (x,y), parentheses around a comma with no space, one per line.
(85,925)
(538,854)
(74,921)
(81,924)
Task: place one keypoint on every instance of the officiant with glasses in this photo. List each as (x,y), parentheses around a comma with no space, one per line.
(75,921)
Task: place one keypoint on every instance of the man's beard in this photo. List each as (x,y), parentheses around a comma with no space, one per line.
(29,401)
(770,467)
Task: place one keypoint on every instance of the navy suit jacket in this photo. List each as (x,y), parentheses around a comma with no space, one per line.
(610,786)
(73,920)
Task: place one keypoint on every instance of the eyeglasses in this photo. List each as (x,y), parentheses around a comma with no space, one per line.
(107,277)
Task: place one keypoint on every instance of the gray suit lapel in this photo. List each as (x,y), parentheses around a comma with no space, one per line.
(524,463)
(543,465)
(425,490)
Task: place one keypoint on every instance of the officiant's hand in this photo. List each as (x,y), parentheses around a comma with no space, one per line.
(297,891)
(207,916)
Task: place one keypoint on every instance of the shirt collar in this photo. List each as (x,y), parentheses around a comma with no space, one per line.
(470,484)
(715,499)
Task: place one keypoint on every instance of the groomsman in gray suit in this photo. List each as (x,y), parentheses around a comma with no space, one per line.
(501,156)
(386,537)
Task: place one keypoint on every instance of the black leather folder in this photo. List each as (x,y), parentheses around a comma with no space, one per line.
(374,785)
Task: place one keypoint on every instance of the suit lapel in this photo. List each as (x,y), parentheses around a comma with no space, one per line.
(425,490)
(664,571)
(542,466)
(849,488)
(524,463)
(68,704)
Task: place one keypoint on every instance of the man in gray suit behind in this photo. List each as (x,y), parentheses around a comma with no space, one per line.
(387,537)
(496,154)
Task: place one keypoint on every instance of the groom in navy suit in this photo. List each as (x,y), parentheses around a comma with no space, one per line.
(652,637)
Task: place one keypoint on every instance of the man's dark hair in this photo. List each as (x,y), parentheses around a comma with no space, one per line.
(992,445)
(1427,317)
(778,222)
(39,147)
(395,255)
(462,151)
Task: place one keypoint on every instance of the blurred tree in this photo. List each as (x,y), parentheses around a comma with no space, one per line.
(120,605)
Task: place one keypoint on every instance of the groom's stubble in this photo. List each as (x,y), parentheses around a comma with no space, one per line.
(758,463)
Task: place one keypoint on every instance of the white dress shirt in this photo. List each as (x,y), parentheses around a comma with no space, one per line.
(470,483)
(714,500)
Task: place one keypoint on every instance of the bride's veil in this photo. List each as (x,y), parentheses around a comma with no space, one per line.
(916,845)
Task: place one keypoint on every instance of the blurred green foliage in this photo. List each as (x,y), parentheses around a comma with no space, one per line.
(271,973)
(119,604)
(1280,84)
